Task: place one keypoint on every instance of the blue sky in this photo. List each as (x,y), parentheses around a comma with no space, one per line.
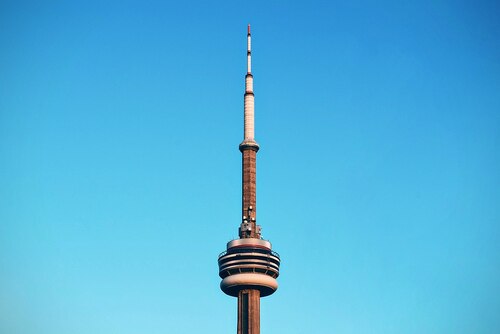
(378,174)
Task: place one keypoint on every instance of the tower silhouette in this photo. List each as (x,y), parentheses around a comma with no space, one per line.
(249,267)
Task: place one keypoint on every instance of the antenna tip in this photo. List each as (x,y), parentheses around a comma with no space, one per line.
(249,29)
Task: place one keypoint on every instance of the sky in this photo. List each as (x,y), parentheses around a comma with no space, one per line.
(378,173)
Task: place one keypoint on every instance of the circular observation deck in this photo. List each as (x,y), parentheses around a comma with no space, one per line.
(249,264)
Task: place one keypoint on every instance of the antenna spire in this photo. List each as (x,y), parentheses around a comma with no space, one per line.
(249,51)
(249,97)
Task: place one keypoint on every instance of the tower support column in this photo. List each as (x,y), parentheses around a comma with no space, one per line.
(249,179)
(249,311)
(249,267)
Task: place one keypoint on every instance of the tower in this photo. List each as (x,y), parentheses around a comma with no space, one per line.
(249,267)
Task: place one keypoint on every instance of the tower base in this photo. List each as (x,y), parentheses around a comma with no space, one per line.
(249,312)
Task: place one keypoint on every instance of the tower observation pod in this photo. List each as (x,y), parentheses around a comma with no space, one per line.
(249,267)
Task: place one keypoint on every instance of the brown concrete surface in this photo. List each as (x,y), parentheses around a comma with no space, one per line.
(249,312)
(249,187)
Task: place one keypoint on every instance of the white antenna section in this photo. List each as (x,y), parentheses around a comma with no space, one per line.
(249,97)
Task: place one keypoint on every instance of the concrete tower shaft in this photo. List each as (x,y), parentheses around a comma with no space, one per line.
(249,267)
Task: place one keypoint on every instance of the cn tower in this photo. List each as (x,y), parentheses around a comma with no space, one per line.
(249,267)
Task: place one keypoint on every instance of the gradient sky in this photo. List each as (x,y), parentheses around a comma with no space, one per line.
(378,174)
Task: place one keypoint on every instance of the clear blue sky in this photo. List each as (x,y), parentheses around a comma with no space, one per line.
(378,175)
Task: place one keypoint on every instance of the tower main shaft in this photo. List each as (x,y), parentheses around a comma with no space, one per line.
(249,267)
